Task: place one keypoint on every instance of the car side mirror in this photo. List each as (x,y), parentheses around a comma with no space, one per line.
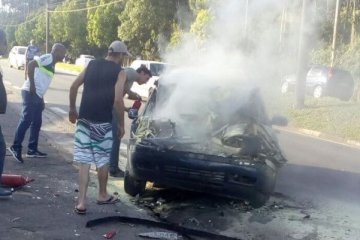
(279,121)
(133,113)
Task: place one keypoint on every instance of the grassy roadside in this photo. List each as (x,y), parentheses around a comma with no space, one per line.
(69,67)
(327,115)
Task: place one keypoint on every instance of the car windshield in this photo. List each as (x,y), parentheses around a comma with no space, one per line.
(21,51)
(156,68)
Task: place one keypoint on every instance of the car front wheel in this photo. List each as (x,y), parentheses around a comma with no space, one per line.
(318,92)
(132,186)
(259,200)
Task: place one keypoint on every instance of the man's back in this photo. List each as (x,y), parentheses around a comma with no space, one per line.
(99,91)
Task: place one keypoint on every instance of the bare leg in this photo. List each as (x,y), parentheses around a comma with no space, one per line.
(103,179)
(83,184)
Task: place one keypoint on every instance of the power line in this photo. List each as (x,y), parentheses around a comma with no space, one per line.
(18,24)
(84,9)
(56,4)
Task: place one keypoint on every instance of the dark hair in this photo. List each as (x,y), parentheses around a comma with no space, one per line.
(144,69)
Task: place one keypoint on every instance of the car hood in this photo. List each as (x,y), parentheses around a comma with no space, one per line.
(247,140)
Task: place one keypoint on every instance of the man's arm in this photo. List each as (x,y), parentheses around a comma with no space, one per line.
(31,71)
(133,95)
(73,115)
(119,102)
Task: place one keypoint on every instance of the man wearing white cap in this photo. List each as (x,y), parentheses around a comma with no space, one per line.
(103,81)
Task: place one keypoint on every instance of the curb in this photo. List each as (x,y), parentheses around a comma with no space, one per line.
(322,136)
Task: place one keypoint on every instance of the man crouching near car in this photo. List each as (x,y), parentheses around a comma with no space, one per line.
(103,81)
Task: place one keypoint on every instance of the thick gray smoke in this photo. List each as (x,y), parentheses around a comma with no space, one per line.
(216,76)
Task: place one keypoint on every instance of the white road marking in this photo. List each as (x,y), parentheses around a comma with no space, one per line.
(7,83)
(16,87)
(59,110)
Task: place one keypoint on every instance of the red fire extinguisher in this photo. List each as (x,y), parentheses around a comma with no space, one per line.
(14,181)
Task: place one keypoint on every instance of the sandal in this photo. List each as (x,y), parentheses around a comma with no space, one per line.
(111,200)
(80,211)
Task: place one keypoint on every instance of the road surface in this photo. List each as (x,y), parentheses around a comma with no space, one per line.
(317,194)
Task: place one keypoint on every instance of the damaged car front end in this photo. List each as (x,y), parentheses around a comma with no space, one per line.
(236,159)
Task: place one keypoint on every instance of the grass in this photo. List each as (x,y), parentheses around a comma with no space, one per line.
(69,67)
(327,115)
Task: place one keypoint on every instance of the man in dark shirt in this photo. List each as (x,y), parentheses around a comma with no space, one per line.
(103,81)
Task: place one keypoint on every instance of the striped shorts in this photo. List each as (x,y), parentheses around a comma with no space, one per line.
(93,143)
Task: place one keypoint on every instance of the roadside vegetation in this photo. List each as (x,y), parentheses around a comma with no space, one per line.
(327,115)
(69,67)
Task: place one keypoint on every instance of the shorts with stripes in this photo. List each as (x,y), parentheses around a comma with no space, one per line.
(93,143)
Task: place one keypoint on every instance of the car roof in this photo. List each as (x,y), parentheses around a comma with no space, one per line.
(85,55)
(147,61)
(318,66)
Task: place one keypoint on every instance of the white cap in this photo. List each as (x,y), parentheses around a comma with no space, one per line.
(118,47)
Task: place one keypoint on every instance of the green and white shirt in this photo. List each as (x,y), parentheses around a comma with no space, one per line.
(43,75)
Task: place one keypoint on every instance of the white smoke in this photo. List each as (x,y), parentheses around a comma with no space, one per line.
(241,53)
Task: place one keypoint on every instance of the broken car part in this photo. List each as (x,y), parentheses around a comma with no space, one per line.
(168,226)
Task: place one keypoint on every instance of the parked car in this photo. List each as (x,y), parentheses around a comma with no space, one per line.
(156,69)
(17,57)
(84,60)
(324,81)
(239,159)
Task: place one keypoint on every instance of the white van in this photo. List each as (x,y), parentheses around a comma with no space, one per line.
(156,68)
(17,57)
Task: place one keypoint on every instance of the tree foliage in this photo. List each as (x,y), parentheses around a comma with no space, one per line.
(70,28)
(144,23)
(103,22)
(200,26)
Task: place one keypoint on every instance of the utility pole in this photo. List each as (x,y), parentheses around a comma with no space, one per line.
(333,48)
(303,53)
(246,17)
(47,26)
(353,21)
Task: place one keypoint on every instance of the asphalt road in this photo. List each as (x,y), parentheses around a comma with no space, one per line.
(317,193)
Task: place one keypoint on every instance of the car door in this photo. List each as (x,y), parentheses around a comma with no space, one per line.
(315,77)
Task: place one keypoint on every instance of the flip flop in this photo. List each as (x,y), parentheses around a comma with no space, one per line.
(80,211)
(111,200)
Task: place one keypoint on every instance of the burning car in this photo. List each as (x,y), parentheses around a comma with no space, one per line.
(236,157)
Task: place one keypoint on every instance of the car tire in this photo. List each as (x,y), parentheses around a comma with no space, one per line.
(346,96)
(285,88)
(318,92)
(259,200)
(132,186)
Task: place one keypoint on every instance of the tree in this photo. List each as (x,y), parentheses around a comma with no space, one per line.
(70,27)
(197,5)
(200,26)
(103,23)
(10,36)
(24,34)
(3,42)
(144,23)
